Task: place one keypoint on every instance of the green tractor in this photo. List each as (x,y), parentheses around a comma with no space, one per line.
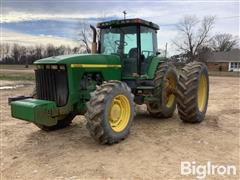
(124,69)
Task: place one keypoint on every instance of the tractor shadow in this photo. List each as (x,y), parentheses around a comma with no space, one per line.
(146,117)
(76,136)
(74,144)
(143,116)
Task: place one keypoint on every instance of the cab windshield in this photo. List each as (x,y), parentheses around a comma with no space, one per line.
(118,40)
(123,41)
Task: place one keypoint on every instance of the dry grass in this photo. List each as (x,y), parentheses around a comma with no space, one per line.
(223,73)
(16,72)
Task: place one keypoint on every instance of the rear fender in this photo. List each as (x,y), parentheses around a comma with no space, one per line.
(153,66)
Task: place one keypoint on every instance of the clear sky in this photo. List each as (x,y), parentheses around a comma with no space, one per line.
(43,20)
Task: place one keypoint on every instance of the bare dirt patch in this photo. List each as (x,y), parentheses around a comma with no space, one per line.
(153,150)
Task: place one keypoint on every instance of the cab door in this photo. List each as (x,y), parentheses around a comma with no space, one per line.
(130,52)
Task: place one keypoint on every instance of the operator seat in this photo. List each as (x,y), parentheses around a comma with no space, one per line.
(133,57)
(133,53)
(130,63)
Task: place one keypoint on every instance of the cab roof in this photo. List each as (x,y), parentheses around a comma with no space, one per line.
(127,22)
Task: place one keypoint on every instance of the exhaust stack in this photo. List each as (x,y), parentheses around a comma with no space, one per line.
(94,42)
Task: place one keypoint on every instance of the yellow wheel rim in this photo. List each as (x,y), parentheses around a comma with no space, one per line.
(119,113)
(202,93)
(170,87)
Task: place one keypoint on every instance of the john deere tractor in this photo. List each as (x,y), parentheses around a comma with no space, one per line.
(124,69)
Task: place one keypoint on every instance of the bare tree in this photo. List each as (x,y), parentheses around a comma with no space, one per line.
(4,50)
(50,50)
(85,34)
(76,50)
(39,52)
(223,42)
(16,53)
(193,34)
(68,50)
(21,54)
(30,54)
(61,50)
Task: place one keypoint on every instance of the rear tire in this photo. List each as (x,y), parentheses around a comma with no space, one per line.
(193,92)
(165,75)
(110,112)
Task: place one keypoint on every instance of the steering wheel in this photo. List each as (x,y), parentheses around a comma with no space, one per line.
(118,42)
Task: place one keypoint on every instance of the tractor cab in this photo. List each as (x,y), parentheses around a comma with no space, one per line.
(133,40)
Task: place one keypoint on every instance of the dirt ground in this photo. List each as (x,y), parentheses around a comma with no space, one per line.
(153,150)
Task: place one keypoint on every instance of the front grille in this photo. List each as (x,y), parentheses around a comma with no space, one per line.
(51,84)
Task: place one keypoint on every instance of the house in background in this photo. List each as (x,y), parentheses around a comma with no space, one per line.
(223,61)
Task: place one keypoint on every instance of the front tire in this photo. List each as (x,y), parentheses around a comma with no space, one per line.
(193,92)
(110,112)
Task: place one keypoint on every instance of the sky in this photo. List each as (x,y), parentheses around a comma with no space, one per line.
(52,21)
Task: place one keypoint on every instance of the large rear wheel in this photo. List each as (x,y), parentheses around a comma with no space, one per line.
(110,112)
(193,91)
(165,82)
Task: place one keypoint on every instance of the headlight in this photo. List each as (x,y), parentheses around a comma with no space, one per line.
(54,66)
(38,66)
(50,66)
(62,67)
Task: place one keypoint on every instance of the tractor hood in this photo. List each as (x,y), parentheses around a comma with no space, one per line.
(81,59)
